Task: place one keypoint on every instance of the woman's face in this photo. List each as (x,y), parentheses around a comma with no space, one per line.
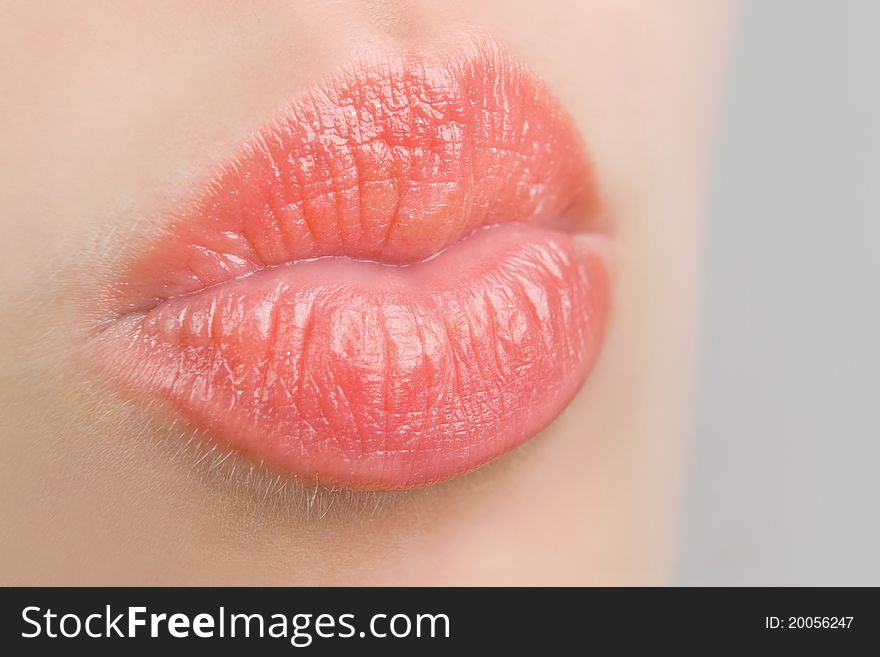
(129,130)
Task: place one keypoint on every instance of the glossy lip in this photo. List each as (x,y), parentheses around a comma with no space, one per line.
(396,280)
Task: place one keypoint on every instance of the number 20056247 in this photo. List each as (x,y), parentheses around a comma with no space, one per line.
(808,622)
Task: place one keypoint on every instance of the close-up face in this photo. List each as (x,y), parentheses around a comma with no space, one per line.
(369,292)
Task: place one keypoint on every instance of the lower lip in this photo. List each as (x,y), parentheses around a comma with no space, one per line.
(379,376)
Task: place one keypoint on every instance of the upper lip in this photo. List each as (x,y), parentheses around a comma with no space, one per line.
(353,375)
(391,161)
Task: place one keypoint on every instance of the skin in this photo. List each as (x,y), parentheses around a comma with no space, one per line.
(109,111)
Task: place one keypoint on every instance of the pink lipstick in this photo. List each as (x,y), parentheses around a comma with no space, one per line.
(397,279)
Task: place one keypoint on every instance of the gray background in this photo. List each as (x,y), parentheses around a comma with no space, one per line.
(784,469)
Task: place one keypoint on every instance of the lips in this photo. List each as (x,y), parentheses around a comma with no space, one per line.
(397,279)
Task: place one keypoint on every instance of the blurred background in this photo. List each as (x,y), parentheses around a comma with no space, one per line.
(783,485)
